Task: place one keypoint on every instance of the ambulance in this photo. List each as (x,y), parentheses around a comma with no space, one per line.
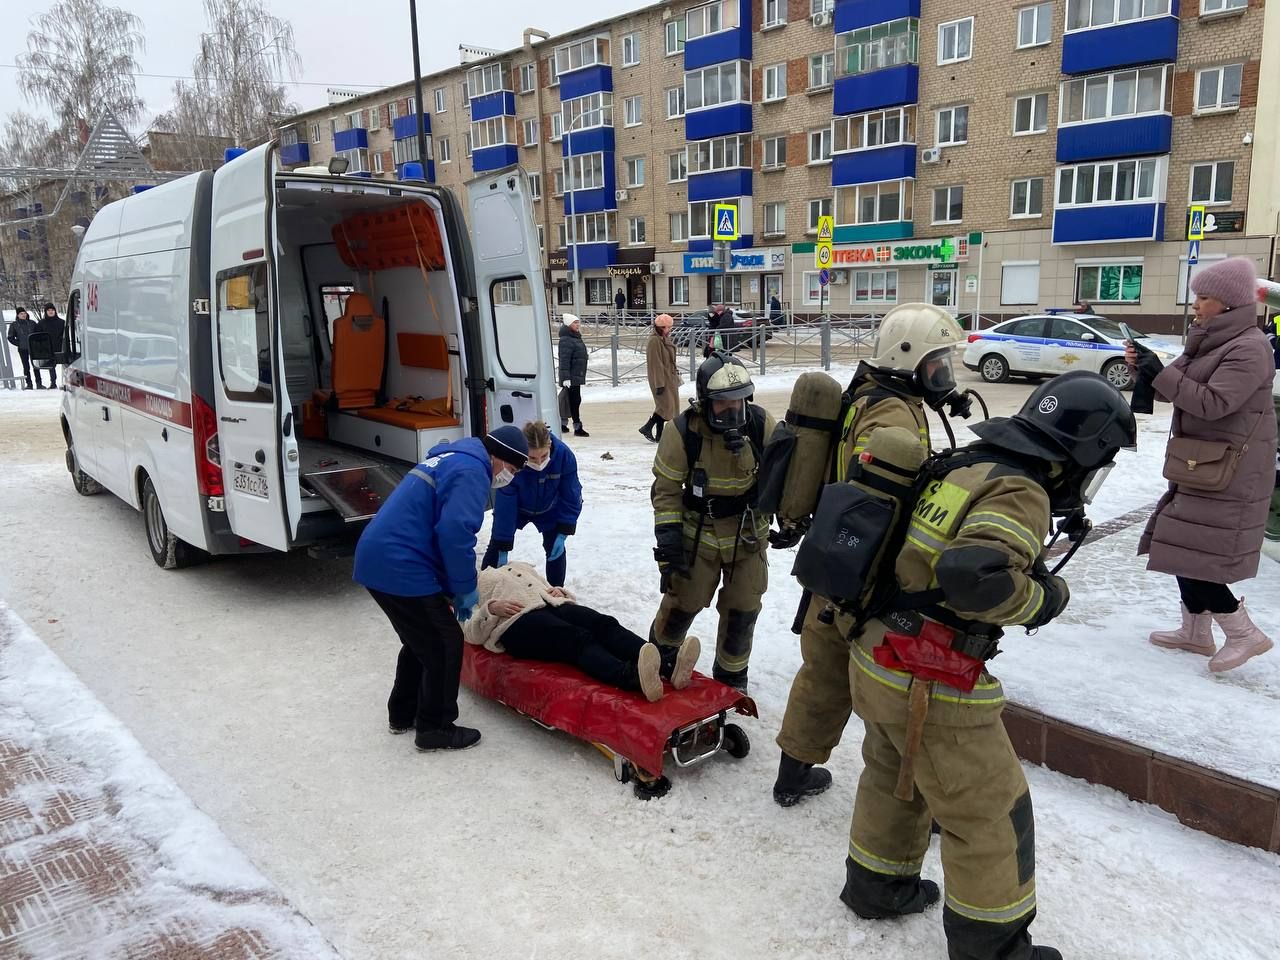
(255,357)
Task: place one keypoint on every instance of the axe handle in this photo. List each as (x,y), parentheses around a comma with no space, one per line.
(917,710)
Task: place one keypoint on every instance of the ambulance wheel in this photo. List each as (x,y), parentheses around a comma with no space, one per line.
(167,551)
(652,789)
(85,485)
(993,368)
(736,742)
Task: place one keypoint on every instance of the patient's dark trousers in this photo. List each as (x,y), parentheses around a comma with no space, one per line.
(596,644)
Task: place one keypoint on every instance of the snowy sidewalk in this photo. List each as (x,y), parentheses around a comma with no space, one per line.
(101,855)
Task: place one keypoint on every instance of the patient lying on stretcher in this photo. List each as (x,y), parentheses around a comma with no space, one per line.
(521,614)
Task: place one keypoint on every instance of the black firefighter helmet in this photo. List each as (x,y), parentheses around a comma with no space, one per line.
(723,377)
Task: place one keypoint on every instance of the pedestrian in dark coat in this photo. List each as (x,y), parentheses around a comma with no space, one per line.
(573,370)
(620,301)
(775,311)
(55,327)
(20,332)
(1221,390)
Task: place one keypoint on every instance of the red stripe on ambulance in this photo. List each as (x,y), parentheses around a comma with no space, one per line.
(153,404)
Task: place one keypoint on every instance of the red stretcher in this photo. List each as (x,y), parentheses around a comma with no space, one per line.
(690,724)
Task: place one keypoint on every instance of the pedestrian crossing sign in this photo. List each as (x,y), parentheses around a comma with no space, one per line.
(1195,222)
(726,226)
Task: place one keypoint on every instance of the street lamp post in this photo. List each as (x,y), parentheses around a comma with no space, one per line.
(417,87)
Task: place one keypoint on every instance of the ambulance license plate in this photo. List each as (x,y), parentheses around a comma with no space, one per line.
(253,484)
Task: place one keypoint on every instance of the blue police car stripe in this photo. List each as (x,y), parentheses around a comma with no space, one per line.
(1045,341)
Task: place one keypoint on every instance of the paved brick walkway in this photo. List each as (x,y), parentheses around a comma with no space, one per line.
(92,861)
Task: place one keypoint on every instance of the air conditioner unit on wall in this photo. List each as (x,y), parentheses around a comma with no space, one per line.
(656,267)
(822,19)
(620,195)
(839,277)
(930,154)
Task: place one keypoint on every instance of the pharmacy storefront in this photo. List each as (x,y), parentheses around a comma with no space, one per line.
(869,277)
(748,280)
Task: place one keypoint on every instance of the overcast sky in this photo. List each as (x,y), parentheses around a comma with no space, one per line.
(360,45)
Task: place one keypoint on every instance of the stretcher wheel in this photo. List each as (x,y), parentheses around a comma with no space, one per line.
(652,789)
(736,742)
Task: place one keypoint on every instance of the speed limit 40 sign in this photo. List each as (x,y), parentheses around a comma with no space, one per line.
(822,249)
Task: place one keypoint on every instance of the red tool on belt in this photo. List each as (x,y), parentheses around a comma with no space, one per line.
(929,656)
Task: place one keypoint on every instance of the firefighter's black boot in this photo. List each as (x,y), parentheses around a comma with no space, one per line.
(797,780)
(878,896)
(736,679)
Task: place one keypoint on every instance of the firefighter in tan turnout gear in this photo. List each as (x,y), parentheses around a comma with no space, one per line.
(973,561)
(911,368)
(705,522)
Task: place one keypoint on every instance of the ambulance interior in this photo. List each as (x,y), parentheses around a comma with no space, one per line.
(370,327)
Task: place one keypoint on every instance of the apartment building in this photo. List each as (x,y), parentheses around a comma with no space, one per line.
(985,156)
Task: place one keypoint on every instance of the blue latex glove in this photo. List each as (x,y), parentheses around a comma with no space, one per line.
(465,605)
(557,548)
(502,558)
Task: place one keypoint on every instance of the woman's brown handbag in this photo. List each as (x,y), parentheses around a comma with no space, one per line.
(1205,465)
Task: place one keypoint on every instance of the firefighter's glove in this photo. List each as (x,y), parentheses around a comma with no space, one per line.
(786,536)
(670,554)
(1056,597)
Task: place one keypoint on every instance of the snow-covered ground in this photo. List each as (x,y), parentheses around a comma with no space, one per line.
(258,685)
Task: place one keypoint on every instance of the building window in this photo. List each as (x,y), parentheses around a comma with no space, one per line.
(593,110)
(877,47)
(528,77)
(315,133)
(466,144)
(562,237)
(442,100)
(355,120)
(1109,283)
(675,34)
(557,184)
(702,216)
(1211,182)
(598,292)
(542,239)
(631,50)
(393,110)
(1020,283)
(1115,181)
(1221,6)
(411,106)
(375,118)
(821,67)
(875,286)
(821,6)
(955,41)
(508,291)
(445,151)
(1114,95)
(1218,88)
(678,291)
(357,160)
(494,132)
(1035,25)
(535,186)
(564,289)
(948,204)
(711,18)
(775,13)
(679,225)
(675,103)
(378,162)
(867,131)
(635,171)
(406,150)
(820,145)
(592,52)
(585,172)
(487,78)
(677,167)
(531,133)
(869,203)
(1031,114)
(333,128)
(1083,14)
(557,127)
(814,291)
(775,153)
(1026,197)
(722,153)
(631,111)
(552,72)
(594,228)
(775,219)
(722,289)
(715,85)
(775,82)
(953,126)
(817,208)
(635,231)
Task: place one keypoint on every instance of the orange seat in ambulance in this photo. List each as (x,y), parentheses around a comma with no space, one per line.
(423,351)
(359,354)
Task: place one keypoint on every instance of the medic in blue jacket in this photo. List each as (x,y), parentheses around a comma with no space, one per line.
(546,494)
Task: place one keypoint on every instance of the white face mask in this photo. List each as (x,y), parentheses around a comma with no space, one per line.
(538,466)
(503,477)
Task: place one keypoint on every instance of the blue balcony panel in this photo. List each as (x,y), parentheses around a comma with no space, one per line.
(721,185)
(890,87)
(1133,137)
(1109,223)
(724,46)
(590,201)
(900,230)
(429,173)
(493,158)
(594,140)
(586,81)
(718,121)
(295,154)
(706,246)
(874,166)
(500,104)
(402,128)
(853,14)
(592,256)
(1124,45)
(357,139)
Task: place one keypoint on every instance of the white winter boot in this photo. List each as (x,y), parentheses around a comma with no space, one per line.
(1195,634)
(1244,640)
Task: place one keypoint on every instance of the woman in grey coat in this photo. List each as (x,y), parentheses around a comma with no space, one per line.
(1220,389)
(573,371)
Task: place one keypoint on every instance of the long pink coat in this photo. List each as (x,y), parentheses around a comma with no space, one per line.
(1220,389)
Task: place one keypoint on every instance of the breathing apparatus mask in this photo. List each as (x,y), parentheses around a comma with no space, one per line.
(1074,490)
(730,420)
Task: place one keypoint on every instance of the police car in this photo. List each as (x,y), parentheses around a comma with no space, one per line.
(1046,344)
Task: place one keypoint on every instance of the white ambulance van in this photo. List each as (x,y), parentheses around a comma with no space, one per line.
(256,357)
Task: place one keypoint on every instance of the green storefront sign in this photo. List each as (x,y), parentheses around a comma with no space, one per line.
(944,250)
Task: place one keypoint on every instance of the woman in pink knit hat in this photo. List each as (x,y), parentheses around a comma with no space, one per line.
(664,378)
(1220,389)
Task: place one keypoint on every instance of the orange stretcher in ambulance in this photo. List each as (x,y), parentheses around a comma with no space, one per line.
(256,356)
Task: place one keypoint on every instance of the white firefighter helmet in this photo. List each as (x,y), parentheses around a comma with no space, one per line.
(909,333)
